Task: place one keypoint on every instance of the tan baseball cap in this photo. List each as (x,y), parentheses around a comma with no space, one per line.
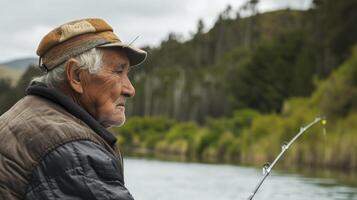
(76,37)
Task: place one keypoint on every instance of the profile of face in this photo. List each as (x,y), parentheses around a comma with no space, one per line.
(104,94)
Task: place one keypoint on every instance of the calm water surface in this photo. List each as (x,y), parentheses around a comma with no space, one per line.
(159,180)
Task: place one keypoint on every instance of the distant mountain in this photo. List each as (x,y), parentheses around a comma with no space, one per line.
(10,73)
(21,64)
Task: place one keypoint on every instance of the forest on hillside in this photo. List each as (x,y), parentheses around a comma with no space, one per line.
(255,62)
(236,92)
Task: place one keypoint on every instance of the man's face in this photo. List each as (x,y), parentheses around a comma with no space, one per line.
(104,93)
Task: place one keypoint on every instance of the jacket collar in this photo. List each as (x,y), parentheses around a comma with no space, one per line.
(41,90)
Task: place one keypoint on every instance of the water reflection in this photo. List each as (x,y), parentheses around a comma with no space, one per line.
(158,180)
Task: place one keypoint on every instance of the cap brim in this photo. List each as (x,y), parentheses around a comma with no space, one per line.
(136,56)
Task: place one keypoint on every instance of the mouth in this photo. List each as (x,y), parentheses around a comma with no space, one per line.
(120,105)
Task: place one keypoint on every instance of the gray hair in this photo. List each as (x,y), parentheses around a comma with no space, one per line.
(91,60)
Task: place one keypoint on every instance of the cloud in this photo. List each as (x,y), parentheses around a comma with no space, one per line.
(25,22)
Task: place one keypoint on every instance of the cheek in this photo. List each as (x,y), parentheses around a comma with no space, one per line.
(107,95)
(108,113)
(104,90)
(100,94)
(111,90)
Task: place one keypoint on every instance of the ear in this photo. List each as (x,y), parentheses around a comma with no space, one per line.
(72,74)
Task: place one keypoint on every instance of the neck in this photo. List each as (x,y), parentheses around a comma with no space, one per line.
(66,90)
(69,92)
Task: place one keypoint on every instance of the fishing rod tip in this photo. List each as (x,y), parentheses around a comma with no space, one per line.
(324,122)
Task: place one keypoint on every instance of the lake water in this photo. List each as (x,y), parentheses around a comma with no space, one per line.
(160,180)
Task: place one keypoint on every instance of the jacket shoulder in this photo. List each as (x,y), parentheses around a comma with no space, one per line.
(37,125)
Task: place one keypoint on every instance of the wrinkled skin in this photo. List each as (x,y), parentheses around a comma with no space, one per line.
(103,94)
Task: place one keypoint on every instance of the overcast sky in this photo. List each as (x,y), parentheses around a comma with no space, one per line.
(25,22)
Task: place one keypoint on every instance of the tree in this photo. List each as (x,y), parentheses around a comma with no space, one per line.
(5,88)
(200,27)
(272,75)
(334,31)
(227,13)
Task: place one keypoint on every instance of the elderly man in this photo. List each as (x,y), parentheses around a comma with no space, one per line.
(53,142)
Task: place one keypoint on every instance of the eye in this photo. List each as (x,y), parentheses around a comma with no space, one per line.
(121,69)
(118,71)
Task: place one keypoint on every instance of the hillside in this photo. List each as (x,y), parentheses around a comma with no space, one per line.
(255,62)
(21,64)
(194,72)
(12,74)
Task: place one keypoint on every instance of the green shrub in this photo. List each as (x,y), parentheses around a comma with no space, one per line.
(145,130)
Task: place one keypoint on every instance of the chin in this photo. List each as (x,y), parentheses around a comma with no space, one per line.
(113,122)
(120,123)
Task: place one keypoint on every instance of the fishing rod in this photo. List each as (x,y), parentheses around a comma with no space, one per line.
(268,167)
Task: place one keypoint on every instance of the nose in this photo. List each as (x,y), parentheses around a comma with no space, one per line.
(128,89)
